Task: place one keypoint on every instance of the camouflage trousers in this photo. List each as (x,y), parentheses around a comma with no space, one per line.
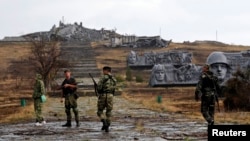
(208,107)
(71,102)
(38,110)
(105,101)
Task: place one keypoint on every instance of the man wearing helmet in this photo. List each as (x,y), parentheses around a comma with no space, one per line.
(219,65)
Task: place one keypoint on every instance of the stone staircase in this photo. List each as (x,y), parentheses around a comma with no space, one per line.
(81,57)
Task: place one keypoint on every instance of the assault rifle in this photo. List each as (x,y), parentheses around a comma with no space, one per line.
(95,85)
(217,100)
(216,97)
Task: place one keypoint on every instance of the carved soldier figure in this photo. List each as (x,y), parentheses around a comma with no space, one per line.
(219,66)
(132,57)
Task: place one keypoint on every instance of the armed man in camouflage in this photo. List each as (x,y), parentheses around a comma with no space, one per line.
(39,90)
(106,89)
(207,89)
(69,87)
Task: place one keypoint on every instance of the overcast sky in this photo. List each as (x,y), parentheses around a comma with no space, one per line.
(227,21)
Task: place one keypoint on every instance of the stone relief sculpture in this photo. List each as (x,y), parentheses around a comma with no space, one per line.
(168,68)
(158,75)
(219,65)
(152,58)
(224,64)
(187,73)
(183,75)
(132,57)
(178,68)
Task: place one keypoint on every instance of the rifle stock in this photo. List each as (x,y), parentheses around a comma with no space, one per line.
(217,101)
(216,96)
(95,84)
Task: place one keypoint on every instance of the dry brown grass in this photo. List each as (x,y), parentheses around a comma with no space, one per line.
(180,101)
(21,114)
(184,103)
(117,57)
(9,52)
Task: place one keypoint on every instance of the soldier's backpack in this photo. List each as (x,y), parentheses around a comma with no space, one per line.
(108,85)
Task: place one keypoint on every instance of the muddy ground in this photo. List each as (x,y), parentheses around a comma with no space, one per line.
(131,121)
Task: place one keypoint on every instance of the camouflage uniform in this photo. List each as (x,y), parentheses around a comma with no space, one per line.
(207,88)
(39,90)
(106,88)
(70,101)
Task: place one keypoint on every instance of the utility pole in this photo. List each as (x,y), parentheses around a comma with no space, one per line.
(160,31)
(216,35)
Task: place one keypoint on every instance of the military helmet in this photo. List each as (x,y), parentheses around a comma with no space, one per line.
(217,57)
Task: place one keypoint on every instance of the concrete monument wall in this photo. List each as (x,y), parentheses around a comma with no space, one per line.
(179,72)
(168,68)
(171,75)
(149,59)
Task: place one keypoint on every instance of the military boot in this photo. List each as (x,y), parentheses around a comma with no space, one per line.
(107,127)
(211,122)
(68,124)
(104,124)
(77,123)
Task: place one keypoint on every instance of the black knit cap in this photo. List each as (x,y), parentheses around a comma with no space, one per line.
(107,68)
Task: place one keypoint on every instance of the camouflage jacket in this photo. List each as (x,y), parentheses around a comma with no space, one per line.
(106,84)
(39,89)
(207,84)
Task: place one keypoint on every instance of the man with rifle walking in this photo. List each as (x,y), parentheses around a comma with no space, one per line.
(105,90)
(208,89)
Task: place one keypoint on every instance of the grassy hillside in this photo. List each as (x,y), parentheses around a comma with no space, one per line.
(174,99)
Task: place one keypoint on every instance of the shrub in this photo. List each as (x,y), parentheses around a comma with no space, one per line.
(237,95)
(138,78)
(119,78)
(128,74)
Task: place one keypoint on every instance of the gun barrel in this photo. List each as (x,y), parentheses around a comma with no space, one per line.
(95,84)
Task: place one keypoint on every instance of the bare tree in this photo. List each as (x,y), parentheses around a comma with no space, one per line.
(45,59)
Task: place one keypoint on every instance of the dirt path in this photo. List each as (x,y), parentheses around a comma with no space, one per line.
(131,121)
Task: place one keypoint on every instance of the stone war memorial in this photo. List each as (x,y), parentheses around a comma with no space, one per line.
(224,64)
(168,68)
(178,70)
(149,59)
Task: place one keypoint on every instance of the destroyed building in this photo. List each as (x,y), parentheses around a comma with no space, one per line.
(77,32)
(139,41)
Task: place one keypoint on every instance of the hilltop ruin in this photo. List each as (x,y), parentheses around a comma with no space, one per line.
(78,33)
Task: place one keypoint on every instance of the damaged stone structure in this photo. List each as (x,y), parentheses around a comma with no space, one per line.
(72,32)
(77,32)
(138,41)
